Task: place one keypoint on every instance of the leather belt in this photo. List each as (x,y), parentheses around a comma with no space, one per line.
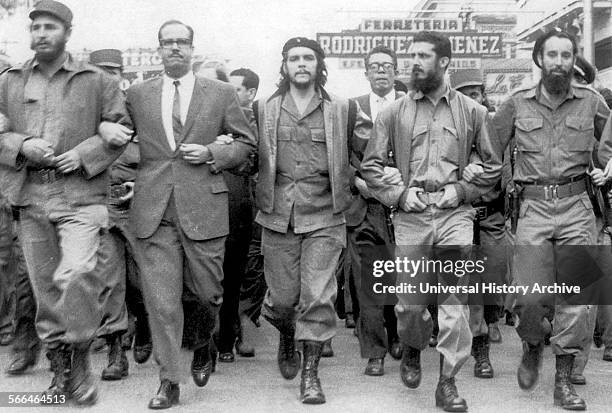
(486,209)
(555,191)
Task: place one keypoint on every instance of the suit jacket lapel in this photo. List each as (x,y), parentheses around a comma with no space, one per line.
(197,98)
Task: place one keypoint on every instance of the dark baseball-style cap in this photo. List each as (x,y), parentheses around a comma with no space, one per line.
(106,57)
(54,8)
(466,77)
(303,42)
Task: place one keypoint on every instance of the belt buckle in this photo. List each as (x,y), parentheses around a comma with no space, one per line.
(550,192)
(481,213)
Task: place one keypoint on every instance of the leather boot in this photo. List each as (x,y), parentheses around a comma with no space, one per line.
(310,387)
(528,371)
(82,387)
(494,333)
(410,367)
(60,359)
(167,396)
(447,396)
(565,395)
(244,346)
(143,345)
(117,361)
(288,356)
(23,360)
(480,351)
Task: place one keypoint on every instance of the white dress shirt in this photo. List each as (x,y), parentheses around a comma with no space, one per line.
(185,88)
(378,103)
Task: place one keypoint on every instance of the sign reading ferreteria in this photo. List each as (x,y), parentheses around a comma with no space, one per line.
(358,44)
(411,25)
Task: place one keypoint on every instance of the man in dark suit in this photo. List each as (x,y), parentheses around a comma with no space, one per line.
(180,206)
(366,222)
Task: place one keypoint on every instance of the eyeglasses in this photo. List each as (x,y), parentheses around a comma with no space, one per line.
(169,43)
(375,67)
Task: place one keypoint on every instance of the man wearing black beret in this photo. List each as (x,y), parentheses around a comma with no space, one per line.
(302,193)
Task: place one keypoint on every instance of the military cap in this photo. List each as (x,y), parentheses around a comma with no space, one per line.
(467,77)
(584,70)
(54,8)
(106,57)
(303,42)
(556,32)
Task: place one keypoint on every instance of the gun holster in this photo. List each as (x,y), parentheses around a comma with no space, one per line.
(514,204)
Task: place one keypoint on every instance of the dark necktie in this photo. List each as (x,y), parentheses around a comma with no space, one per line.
(177,126)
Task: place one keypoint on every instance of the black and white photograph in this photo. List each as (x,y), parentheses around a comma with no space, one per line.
(306,205)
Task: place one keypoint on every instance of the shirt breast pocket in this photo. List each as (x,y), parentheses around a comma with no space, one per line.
(319,150)
(529,134)
(579,134)
(285,133)
(450,145)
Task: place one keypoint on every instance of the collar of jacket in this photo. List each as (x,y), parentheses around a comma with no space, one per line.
(322,93)
(70,65)
(449,94)
(575,91)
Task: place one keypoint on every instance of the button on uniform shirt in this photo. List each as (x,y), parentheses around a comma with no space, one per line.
(378,103)
(434,155)
(302,192)
(554,144)
(185,88)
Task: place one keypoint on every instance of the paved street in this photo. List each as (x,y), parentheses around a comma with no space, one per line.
(254,385)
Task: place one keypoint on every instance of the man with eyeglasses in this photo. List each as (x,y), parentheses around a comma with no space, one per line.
(432,131)
(366,222)
(180,207)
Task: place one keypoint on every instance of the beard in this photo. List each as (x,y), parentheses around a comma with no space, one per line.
(429,83)
(52,52)
(557,83)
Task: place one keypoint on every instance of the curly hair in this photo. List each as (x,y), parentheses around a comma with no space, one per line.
(283,83)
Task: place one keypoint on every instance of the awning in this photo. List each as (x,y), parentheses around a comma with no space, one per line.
(562,18)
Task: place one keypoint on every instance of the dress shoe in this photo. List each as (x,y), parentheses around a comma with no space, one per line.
(480,351)
(244,350)
(565,395)
(578,379)
(226,357)
(494,333)
(117,360)
(375,367)
(166,397)
(447,396)
(22,361)
(528,371)
(327,351)
(607,354)
(142,353)
(410,367)
(310,386)
(349,321)
(6,338)
(396,349)
(201,366)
